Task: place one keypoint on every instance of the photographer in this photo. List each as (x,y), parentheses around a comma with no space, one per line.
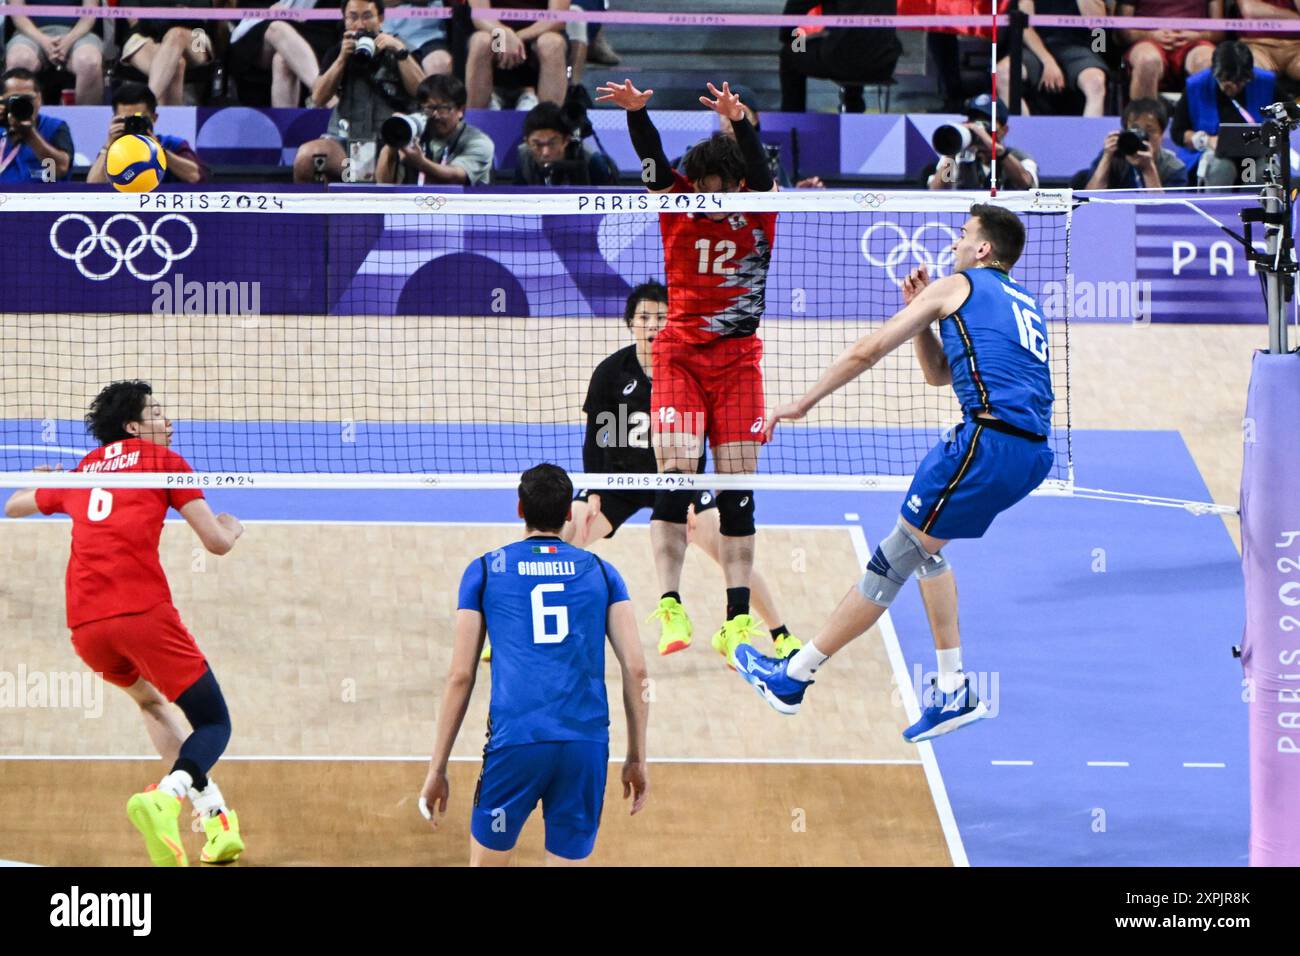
(435,146)
(135,110)
(1232,90)
(551,155)
(374,76)
(969,164)
(1135,157)
(33,148)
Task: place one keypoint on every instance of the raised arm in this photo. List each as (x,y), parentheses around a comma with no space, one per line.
(929,350)
(758,172)
(934,302)
(656,171)
(625,639)
(217,532)
(469,632)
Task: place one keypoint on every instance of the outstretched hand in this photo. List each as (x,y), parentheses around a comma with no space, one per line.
(724,102)
(913,283)
(625,95)
(791,411)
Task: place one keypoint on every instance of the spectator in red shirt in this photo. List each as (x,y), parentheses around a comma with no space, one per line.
(1277,52)
(1167,57)
(124,625)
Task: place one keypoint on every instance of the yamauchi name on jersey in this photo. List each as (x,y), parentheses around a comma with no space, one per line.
(118,463)
(547,569)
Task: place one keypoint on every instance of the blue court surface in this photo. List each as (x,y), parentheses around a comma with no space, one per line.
(1100,631)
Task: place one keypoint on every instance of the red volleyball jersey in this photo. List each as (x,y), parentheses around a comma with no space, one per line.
(114,567)
(717,271)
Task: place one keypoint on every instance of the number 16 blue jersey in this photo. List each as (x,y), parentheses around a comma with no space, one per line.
(546,604)
(996,345)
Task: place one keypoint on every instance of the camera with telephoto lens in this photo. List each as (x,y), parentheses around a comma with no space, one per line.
(949,140)
(1131,141)
(401,130)
(19,108)
(138,125)
(365,51)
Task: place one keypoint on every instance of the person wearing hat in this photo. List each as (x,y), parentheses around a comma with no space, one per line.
(972,167)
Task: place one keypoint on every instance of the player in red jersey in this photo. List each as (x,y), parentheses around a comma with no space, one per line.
(707,379)
(123,623)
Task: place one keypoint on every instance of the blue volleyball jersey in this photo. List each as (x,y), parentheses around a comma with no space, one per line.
(996,345)
(546,604)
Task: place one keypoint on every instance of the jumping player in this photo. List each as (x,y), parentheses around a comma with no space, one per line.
(618,425)
(707,379)
(124,624)
(992,349)
(548,607)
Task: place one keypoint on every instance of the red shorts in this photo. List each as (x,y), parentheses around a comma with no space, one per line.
(1173,59)
(152,644)
(714,389)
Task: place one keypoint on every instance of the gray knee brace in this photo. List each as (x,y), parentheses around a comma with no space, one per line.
(896,559)
(933,566)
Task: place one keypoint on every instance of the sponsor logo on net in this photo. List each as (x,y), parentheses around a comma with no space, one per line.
(75,237)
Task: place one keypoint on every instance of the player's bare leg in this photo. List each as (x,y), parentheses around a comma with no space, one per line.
(479,855)
(736,546)
(705,535)
(160,720)
(676,453)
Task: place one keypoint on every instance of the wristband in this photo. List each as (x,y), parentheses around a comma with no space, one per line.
(1200,140)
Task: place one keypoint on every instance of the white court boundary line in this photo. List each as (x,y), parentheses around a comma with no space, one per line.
(933,777)
(364,758)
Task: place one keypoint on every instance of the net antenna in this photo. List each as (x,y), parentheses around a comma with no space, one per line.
(1269,145)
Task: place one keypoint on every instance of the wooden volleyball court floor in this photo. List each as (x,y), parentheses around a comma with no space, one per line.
(1099,630)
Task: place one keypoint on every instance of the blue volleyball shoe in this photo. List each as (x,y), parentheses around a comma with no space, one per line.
(768,676)
(949,712)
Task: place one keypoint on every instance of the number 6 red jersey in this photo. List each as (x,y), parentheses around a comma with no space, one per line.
(716,270)
(114,567)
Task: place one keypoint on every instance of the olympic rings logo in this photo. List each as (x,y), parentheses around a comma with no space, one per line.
(870,200)
(431,202)
(98,238)
(909,248)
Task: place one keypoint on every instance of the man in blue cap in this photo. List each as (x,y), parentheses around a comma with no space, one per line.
(971,166)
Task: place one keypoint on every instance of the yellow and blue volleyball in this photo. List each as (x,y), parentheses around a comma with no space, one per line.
(136,163)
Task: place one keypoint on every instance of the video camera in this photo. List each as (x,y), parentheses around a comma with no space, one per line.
(20,108)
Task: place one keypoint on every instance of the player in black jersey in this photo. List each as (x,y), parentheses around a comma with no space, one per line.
(618,441)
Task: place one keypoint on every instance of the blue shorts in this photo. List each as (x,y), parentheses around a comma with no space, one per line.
(964,483)
(568,776)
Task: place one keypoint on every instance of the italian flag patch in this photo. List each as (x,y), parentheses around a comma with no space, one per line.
(545,549)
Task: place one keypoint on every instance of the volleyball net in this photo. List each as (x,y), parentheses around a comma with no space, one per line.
(414,340)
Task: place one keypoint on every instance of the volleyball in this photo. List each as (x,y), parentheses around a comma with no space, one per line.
(136,163)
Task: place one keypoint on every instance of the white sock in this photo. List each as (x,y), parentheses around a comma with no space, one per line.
(177,783)
(806,661)
(208,801)
(950,672)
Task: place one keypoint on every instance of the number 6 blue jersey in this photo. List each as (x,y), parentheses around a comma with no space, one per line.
(546,604)
(996,345)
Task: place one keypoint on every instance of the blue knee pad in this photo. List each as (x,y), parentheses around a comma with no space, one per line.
(204,707)
(736,513)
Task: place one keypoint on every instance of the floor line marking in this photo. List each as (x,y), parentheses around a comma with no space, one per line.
(1211,765)
(1012,763)
(933,777)
(371,758)
(1107,763)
